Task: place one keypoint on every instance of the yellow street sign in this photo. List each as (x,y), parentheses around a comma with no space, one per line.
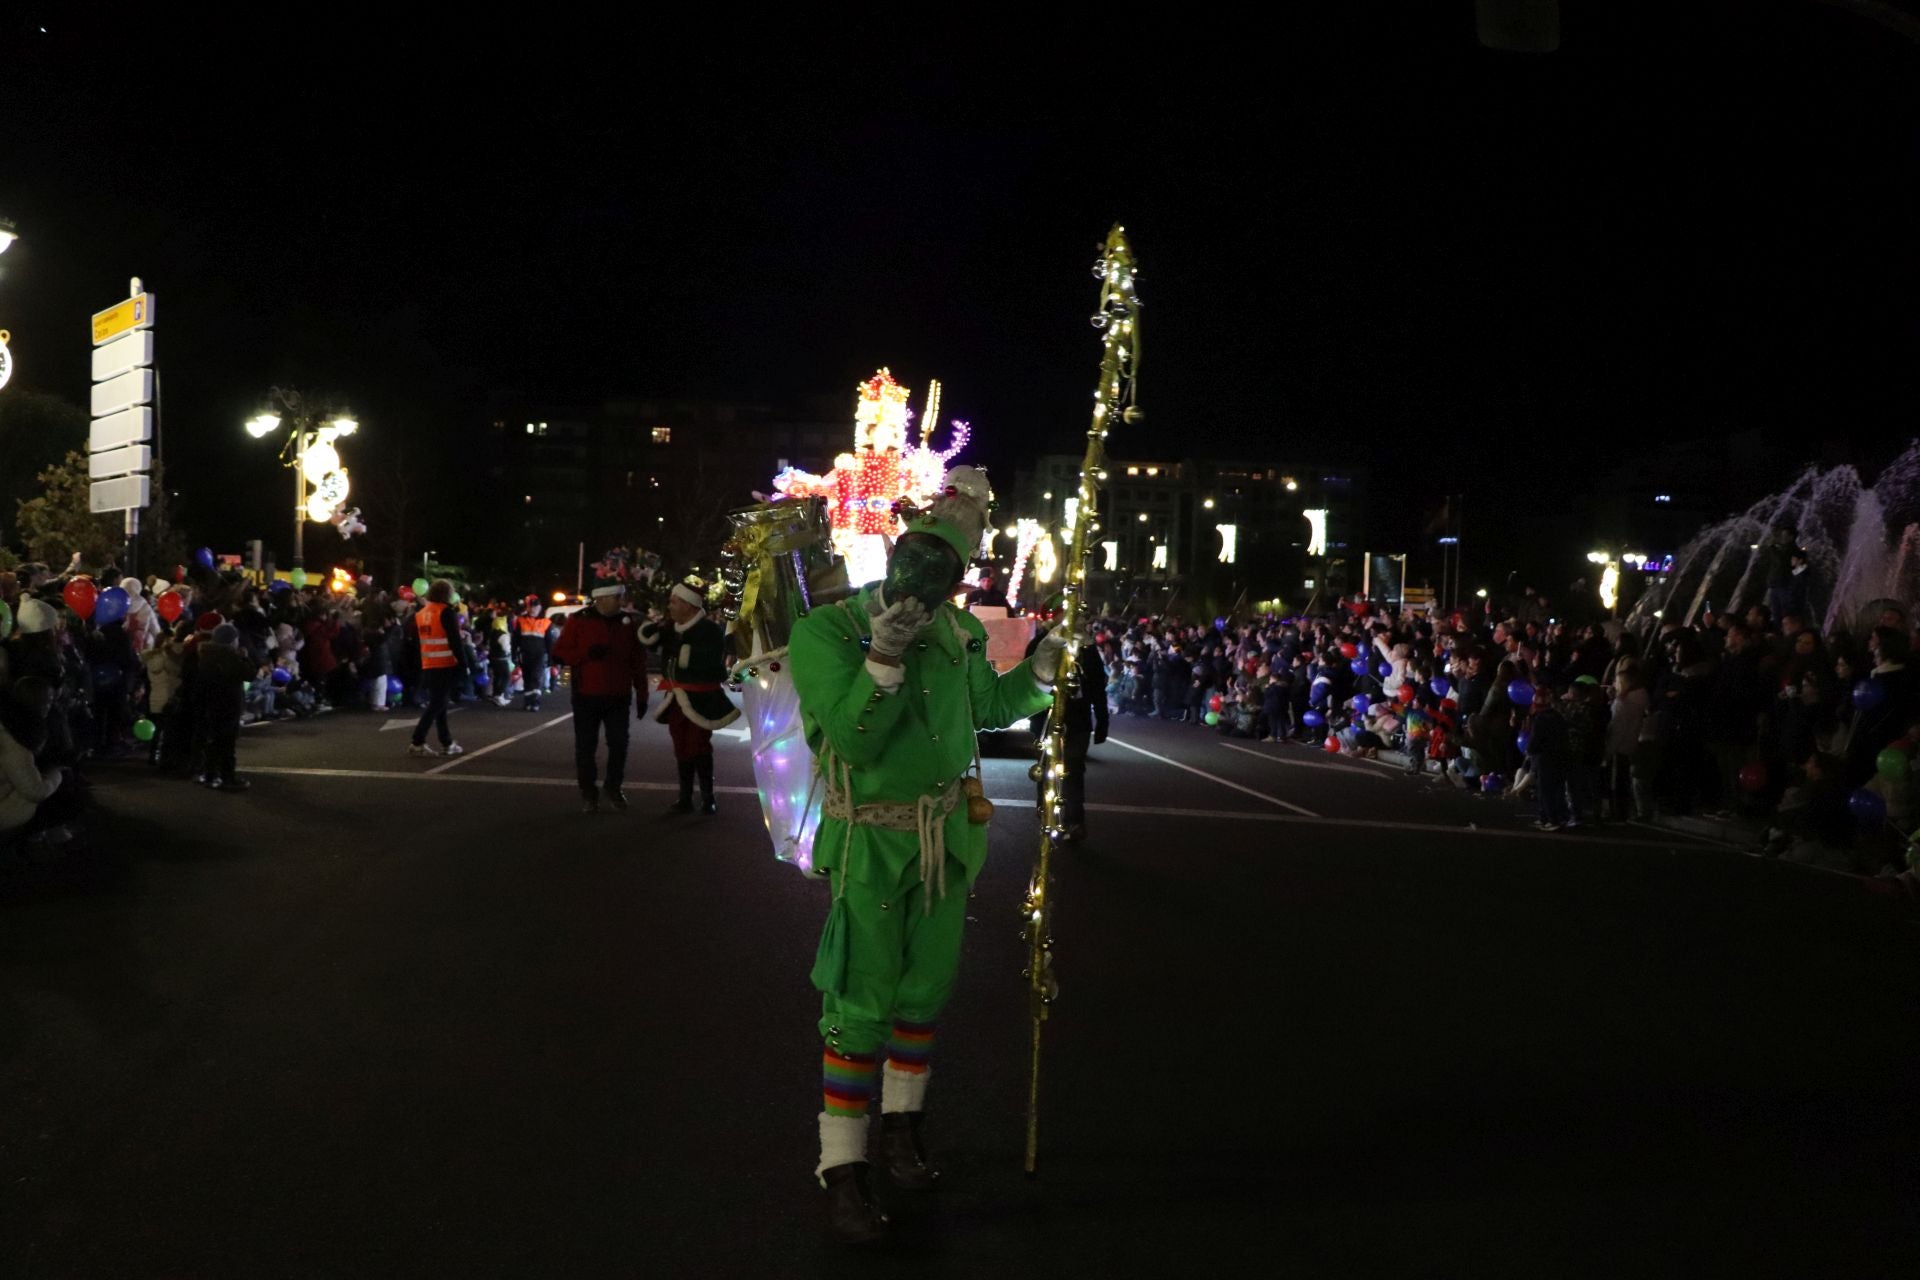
(135,313)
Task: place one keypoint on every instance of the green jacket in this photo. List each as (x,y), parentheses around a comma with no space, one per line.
(903,745)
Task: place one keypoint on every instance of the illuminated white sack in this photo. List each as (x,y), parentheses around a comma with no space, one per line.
(782,764)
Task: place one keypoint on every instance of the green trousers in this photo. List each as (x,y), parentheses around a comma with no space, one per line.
(901,961)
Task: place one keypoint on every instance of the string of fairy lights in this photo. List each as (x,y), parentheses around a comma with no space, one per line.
(1118,319)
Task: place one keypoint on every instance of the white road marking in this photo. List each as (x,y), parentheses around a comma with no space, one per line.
(1211,777)
(504,742)
(434,775)
(1299,764)
(1006,802)
(407,722)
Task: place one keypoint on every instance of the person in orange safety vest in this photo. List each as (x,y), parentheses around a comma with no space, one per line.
(435,630)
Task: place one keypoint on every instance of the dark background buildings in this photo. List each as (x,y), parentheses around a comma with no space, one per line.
(1675,256)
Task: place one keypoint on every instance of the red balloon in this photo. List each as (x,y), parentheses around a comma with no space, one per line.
(1449,704)
(1753,777)
(1215,703)
(1332,745)
(1405,694)
(80,594)
(1349,651)
(169,606)
(406,593)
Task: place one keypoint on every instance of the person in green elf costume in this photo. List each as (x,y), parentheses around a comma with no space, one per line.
(893,686)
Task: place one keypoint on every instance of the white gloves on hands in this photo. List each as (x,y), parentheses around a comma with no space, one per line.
(1046,656)
(895,626)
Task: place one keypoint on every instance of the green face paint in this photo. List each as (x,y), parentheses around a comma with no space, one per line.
(922,568)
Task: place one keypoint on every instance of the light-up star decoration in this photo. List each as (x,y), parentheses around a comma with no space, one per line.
(867,485)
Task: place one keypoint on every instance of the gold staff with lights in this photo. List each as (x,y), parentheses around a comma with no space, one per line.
(1118,320)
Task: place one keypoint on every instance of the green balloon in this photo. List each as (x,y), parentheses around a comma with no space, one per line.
(1892,764)
(143,730)
(454,598)
(420,586)
(6,620)
(1213,717)
(298,578)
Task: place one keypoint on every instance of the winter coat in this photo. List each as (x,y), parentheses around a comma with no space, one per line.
(606,655)
(220,681)
(23,783)
(693,655)
(164,663)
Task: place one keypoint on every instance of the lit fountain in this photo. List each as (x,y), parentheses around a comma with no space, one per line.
(1849,531)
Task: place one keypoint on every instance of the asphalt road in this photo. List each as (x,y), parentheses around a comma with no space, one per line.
(383,1016)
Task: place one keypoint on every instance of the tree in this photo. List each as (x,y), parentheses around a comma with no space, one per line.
(59,522)
(36,427)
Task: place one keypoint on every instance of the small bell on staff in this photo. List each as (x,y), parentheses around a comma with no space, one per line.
(979,808)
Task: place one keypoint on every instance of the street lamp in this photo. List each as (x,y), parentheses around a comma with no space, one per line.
(308,451)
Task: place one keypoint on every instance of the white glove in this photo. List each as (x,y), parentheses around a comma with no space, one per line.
(895,626)
(1046,656)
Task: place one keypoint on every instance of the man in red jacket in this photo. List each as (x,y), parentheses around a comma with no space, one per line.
(609,667)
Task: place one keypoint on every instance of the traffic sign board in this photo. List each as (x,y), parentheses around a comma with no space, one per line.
(130,426)
(128,351)
(135,313)
(119,462)
(123,392)
(128,493)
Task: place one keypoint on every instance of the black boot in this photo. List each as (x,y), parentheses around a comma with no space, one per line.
(703,766)
(902,1153)
(853,1215)
(685,803)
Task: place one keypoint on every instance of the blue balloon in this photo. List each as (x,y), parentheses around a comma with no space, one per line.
(204,557)
(281,676)
(279,584)
(1521,693)
(1440,686)
(1386,669)
(1313,719)
(1360,704)
(481,680)
(1358,666)
(110,607)
(1523,740)
(1492,782)
(1869,808)
(1867,695)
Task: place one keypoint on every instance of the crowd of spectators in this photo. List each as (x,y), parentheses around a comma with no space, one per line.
(1808,736)
(106,666)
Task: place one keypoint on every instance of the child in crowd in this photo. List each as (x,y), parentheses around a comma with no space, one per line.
(219,689)
(1550,756)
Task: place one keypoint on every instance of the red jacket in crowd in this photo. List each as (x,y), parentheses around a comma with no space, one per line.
(606,656)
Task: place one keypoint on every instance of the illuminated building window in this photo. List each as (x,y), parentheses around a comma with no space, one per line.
(663,435)
(1133,471)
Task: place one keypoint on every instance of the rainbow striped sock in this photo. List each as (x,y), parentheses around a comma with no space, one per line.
(847,1081)
(910,1047)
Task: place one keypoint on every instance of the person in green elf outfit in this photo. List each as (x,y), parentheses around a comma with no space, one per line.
(893,686)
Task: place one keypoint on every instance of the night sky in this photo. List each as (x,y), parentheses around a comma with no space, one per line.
(1459,268)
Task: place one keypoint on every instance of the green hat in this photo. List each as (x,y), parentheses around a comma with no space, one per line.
(1585,680)
(958,517)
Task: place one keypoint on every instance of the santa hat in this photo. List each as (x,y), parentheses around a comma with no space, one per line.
(958,517)
(208,620)
(608,587)
(690,594)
